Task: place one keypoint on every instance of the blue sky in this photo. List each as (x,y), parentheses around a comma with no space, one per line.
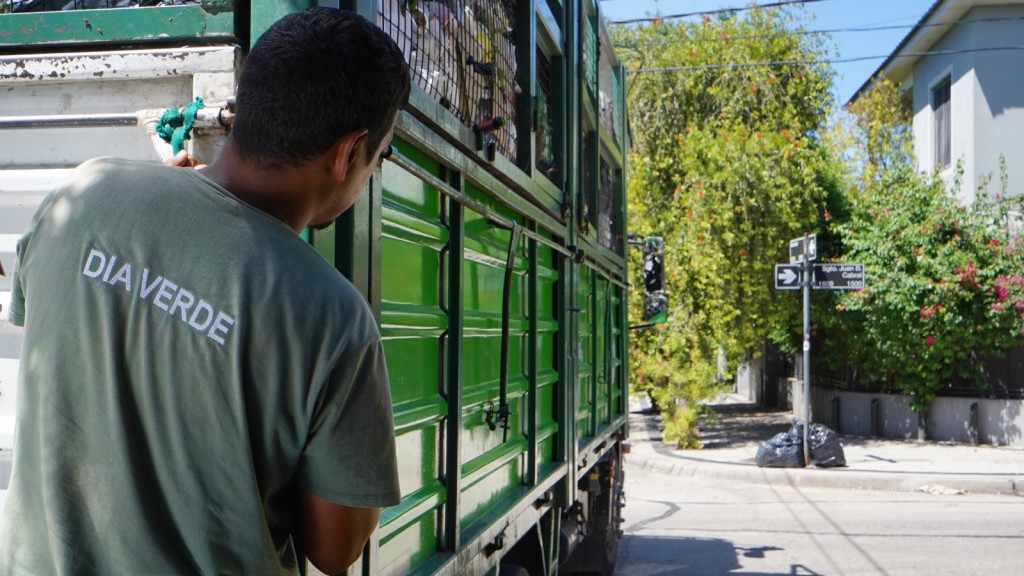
(828,15)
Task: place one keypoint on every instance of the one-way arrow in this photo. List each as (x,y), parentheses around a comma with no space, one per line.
(786,276)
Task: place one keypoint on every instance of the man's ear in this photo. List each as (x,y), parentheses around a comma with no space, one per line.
(346,152)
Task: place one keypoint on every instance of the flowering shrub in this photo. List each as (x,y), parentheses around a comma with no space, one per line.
(943,285)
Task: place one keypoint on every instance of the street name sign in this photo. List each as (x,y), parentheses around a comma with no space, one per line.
(826,276)
(797,251)
(838,276)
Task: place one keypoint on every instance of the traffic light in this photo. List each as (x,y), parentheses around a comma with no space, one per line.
(655,299)
(654,266)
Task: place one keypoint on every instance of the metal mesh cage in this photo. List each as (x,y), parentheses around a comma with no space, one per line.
(589,53)
(545,148)
(607,214)
(462,53)
(588,196)
(618,104)
(608,100)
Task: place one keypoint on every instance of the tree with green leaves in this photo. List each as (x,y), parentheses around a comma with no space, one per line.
(728,163)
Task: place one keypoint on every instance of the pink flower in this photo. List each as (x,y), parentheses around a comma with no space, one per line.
(929,340)
(1001,293)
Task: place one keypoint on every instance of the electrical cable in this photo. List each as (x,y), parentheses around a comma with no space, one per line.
(716,11)
(823,61)
(854,29)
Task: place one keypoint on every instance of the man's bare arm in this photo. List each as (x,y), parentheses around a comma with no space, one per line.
(332,535)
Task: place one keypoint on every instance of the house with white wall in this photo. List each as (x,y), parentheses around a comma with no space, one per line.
(961,72)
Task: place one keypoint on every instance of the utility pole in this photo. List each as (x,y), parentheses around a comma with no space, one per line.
(806,283)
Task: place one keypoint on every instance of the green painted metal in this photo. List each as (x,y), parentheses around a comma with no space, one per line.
(452,537)
(263,13)
(165,24)
(491,467)
(414,324)
(567,126)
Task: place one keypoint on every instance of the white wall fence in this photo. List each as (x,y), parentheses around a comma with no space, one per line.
(996,422)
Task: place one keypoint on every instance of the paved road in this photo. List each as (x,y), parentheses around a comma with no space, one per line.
(702,526)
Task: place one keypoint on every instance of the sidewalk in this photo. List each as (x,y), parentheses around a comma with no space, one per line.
(730,446)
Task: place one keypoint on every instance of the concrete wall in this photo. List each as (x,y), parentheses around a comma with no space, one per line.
(987,98)
(999,422)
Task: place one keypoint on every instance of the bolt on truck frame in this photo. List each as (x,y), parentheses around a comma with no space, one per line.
(491,244)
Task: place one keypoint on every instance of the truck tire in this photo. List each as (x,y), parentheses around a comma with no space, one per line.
(599,552)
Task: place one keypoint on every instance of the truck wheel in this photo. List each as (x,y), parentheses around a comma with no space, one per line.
(596,555)
(512,570)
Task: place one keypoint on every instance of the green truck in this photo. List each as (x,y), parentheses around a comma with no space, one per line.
(492,244)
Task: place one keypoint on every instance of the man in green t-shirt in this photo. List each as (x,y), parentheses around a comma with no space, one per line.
(200,391)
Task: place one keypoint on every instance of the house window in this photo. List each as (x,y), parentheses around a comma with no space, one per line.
(941,113)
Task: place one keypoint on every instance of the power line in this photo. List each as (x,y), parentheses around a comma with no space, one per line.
(856,29)
(823,61)
(716,11)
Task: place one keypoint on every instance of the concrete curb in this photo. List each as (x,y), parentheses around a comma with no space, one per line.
(842,478)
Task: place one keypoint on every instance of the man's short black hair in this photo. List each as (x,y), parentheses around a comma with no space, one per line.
(312,77)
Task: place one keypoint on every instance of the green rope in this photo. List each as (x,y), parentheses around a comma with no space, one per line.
(175,124)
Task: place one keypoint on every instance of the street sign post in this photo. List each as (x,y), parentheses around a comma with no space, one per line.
(800,274)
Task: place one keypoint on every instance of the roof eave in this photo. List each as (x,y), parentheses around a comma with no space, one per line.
(925,34)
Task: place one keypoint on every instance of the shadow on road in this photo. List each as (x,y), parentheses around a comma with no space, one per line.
(650,555)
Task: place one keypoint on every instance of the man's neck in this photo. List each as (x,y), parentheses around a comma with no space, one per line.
(285,194)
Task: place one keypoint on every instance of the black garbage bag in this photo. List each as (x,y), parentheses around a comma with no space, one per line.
(823,445)
(784,450)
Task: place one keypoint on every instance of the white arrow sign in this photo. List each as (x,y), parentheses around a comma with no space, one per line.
(787,276)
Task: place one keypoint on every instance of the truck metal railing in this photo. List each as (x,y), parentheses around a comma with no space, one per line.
(205,118)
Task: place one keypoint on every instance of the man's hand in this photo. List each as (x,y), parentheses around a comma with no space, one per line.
(183,160)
